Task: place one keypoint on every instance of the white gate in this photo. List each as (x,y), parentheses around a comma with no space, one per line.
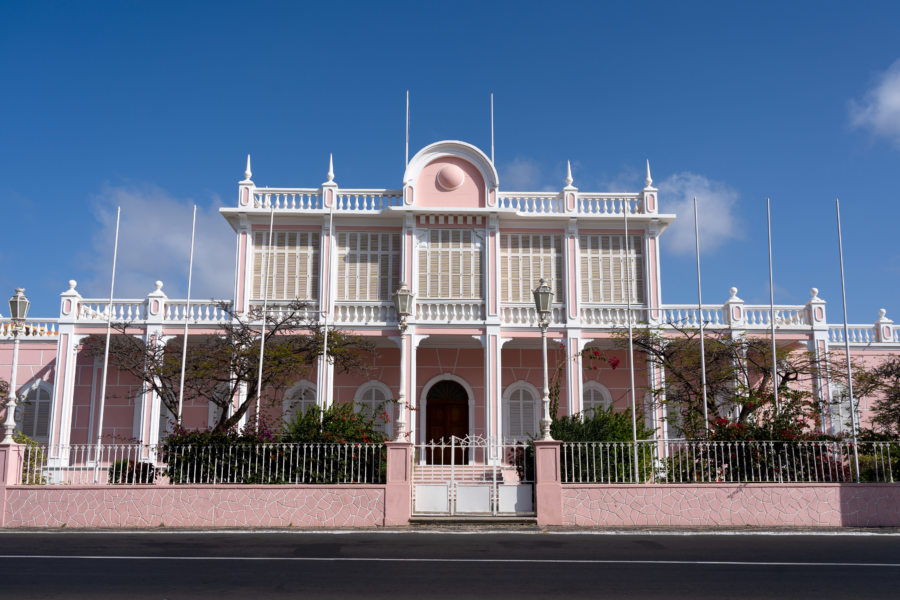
(473,476)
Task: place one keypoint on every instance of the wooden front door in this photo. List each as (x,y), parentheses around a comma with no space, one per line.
(447,414)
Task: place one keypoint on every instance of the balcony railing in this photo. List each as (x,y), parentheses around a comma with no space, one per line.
(42,328)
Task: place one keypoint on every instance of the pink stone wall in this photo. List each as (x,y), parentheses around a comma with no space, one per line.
(732,505)
(194,506)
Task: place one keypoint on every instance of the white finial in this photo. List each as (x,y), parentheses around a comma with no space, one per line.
(330,168)
(881,313)
(72,284)
(813,293)
(247,172)
(648,181)
(158,285)
(569,179)
(733,292)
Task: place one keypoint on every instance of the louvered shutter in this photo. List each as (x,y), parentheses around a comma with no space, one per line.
(521,414)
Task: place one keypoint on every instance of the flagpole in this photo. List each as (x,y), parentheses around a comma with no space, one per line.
(772,308)
(109,312)
(700,318)
(492,127)
(187,313)
(262,335)
(853,419)
(407,127)
(626,208)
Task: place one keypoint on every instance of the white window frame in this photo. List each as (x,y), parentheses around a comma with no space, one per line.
(524,260)
(536,402)
(590,387)
(441,282)
(601,268)
(291,397)
(35,387)
(302,277)
(381,266)
(358,401)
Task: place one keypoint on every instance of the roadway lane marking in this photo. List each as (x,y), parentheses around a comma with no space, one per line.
(554,561)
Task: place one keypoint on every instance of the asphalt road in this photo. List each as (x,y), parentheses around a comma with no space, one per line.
(397,565)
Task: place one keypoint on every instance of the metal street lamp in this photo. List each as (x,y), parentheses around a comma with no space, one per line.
(543,297)
(403,303)
(18,311)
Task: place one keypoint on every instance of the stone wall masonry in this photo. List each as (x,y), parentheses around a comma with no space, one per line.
(732,505)
(194,506)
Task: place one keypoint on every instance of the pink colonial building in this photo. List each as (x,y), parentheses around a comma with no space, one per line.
(468,361)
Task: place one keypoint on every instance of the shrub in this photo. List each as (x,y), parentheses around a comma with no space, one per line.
(131,471)
(35,456)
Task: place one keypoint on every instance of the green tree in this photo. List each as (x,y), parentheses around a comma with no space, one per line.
(220,365)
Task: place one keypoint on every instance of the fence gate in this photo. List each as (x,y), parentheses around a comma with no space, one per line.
(473,476)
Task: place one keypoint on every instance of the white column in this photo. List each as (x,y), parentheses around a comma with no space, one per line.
(64,380)
(574,376)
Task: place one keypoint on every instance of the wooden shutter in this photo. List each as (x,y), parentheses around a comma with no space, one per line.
(520,414)
(450,265)
(604,267)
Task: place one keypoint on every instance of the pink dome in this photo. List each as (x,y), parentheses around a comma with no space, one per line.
(450,177)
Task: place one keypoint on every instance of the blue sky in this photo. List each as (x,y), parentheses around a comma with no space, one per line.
(154,106)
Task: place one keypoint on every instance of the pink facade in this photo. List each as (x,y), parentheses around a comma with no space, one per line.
(471,253)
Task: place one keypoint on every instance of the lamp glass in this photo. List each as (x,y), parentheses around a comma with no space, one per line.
(18,305)
(543,296)
(403,299)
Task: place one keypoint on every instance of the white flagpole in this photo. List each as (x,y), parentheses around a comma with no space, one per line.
(626,207)
(772,307)
(407,127)
(853,415)
(700,317)
(109,312)
(262,335)
(492,127)
(187,313)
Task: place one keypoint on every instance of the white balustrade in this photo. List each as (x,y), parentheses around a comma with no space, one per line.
(364,313)
(367,200)
(785,316)
(122,310)
(609,204)
(531,203)
(856,334)
(686,315)
(612,316)
(289,199)
(32,329)
(310,199)
(525,314)
(278,309)
(449,311)
(200,312)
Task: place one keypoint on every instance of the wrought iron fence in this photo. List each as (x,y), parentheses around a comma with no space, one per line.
(134,464)
(680,461)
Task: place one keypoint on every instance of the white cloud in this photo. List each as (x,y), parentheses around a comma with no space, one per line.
(879,110)
(522,174)
(154,244)
(716,205)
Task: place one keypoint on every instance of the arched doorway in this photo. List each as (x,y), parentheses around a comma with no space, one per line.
(447,411)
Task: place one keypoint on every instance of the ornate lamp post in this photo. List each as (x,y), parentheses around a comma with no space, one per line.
(18,310)
(403,303)
(543,296)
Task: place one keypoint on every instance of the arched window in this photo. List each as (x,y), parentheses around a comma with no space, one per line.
(520,411)
(595,396)
(33,413)
(372,400)
(297,400)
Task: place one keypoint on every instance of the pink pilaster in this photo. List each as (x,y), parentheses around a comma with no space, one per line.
(398,490)
(548,484)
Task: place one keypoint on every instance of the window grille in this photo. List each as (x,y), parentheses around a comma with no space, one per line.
(368,265)
(524,260)
(297,400)
(521,410)
(603,269)
(294,265)
(450,265)
(34,412)
(372,401)
(595,396)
